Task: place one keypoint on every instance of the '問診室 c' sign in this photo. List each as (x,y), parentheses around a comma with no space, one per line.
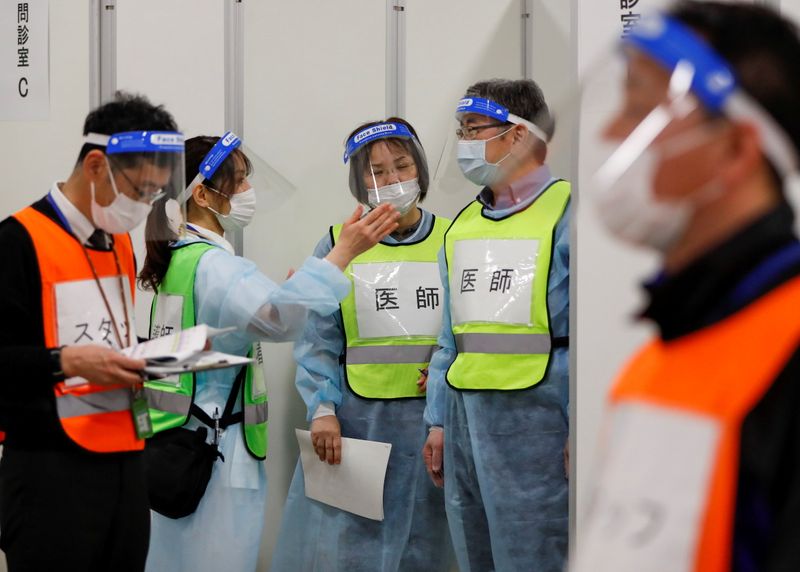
(24,65)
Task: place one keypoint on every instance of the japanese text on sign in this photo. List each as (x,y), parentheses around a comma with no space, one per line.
(628,16)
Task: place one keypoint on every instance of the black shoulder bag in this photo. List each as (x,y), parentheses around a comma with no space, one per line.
(178,462)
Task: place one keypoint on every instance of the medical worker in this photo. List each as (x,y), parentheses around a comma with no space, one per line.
(72,488)
(699,469)
(498,387)
(360,372)
(213,286)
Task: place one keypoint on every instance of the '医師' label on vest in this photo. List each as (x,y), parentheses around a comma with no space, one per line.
(397,299)
(492,280)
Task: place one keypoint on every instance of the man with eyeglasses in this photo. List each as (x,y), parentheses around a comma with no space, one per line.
(72,489)
(497,433)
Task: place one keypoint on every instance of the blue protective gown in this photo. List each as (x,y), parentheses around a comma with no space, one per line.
(225,531)
(314,536)
(505,487)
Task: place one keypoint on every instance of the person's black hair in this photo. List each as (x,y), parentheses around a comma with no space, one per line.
(224,180)
(360,161)
(126,112)
(763,49)
(522,97)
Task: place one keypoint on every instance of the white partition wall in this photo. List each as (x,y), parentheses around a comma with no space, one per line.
(36,153)
(313,71)
(172,52)
(452,44)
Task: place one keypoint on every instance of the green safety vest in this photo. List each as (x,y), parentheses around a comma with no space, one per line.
(392,315)
(171,399)
(498,273)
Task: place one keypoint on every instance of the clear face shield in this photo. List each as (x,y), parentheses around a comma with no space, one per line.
(654,159)
(240,178)
(145,169)
(488,145)
(387,165)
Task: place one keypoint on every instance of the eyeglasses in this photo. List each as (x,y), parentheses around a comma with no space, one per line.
(148,193)
(470,131)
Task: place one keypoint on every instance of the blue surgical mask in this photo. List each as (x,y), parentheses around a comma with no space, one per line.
(473,163)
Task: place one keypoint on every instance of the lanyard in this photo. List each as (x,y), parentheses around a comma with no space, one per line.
(67,226)
(105,298)
(752,284)
(60,215)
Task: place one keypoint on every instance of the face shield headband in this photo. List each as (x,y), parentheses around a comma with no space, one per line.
(494,110)
(221,150)
(695,67)
(137,142)
(370,134)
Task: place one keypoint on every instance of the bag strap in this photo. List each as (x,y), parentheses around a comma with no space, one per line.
(227,418)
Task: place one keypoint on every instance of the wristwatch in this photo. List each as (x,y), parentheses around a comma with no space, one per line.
(54,359)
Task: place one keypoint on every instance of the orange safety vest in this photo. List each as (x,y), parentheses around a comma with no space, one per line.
(97,418)
(716,376)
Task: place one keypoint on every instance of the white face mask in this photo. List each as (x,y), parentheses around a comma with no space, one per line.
(402,196)
(473,163)
(630,211)
(122,215)
(243,209)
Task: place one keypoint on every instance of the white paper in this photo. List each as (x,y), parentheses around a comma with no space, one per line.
(199,362)
(182,352)
(356,485)
(648,507)
(24,60)
(175,348)
(492,280)
(398,299)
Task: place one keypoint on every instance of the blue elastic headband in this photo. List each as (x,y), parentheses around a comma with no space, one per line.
(219,152)
(145,142)
(370,134)
(669,42)
(482,106)
(493,109)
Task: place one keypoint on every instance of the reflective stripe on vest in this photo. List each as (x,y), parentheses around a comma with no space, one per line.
(256,413)
(390,338)
(672,458)
(97,418)
(503,343)
(167,401)
(498,275)
(96,403)
(389,354)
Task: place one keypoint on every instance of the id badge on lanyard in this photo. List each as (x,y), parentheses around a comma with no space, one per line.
(142,423)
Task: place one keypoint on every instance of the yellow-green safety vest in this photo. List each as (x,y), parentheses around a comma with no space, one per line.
(498,274)
(393,315)
(170,399)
